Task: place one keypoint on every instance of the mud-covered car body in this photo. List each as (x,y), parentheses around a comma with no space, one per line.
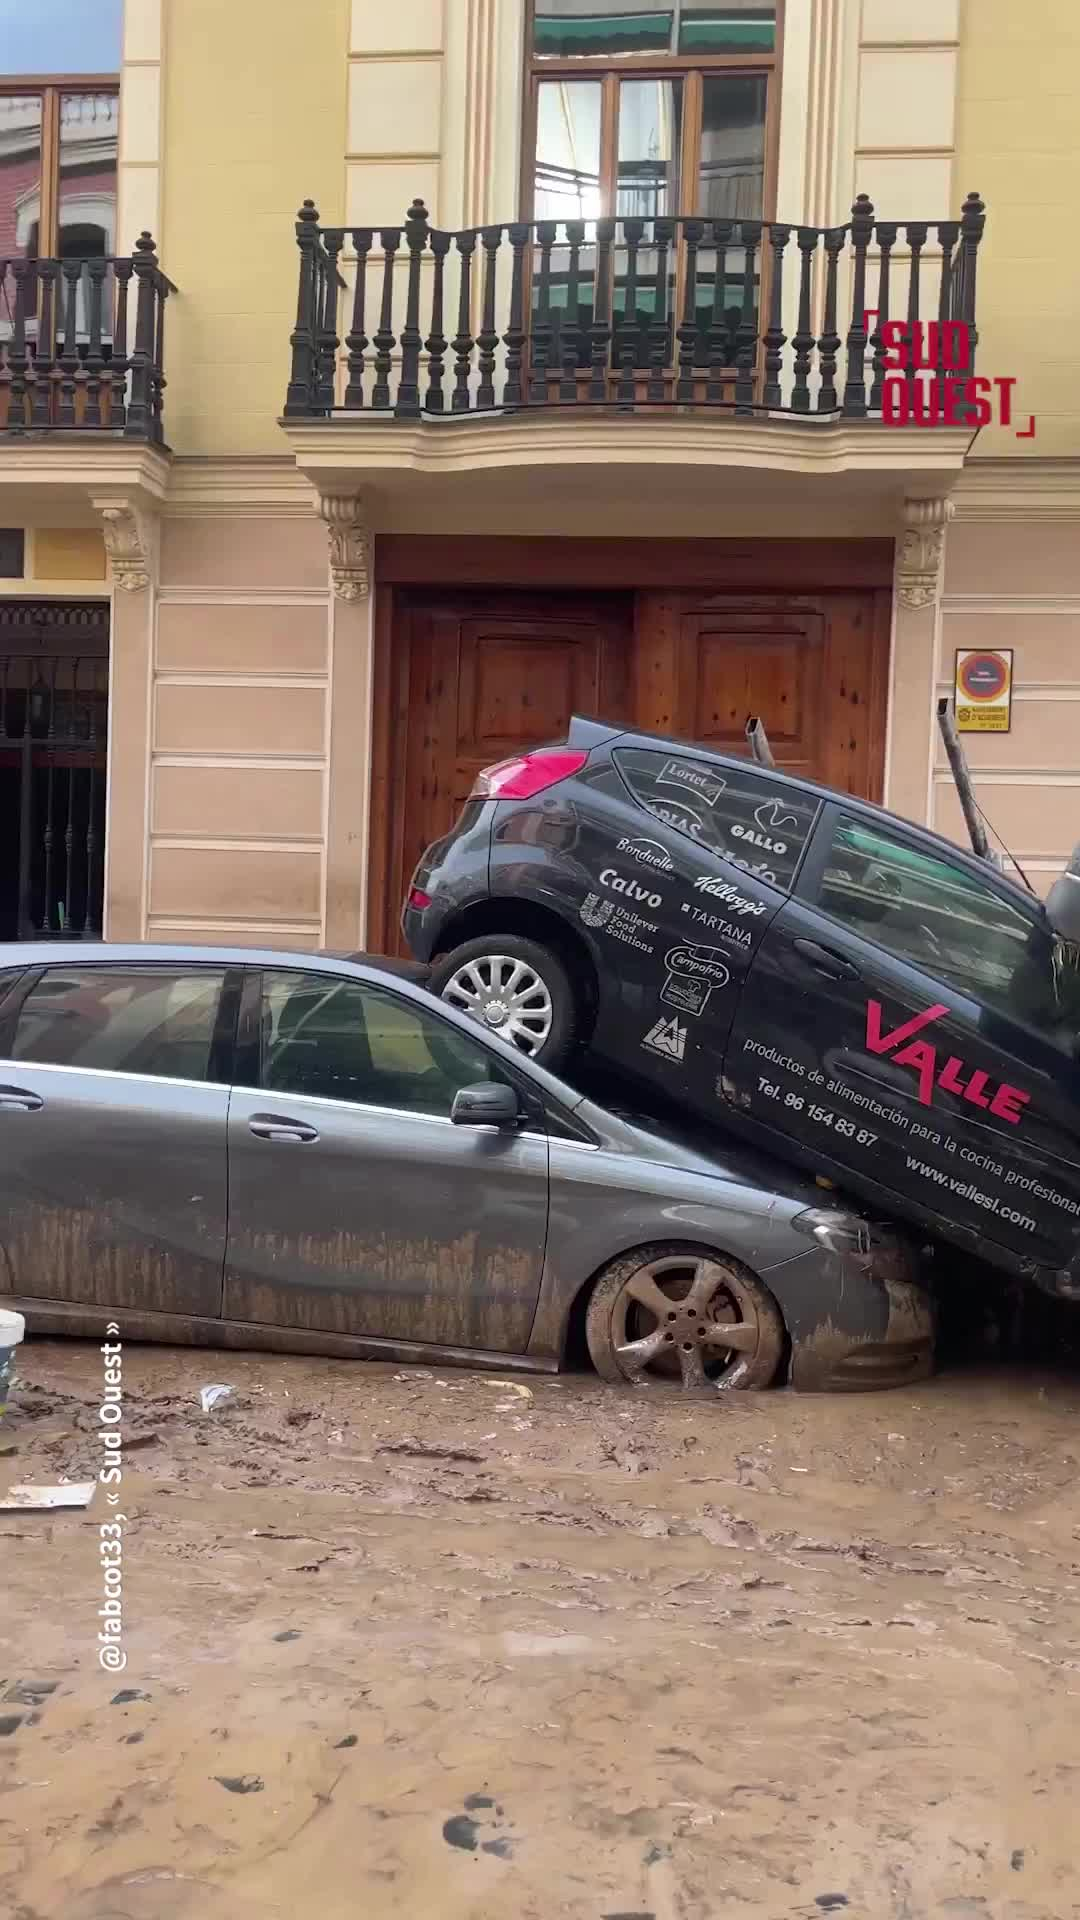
(835,984)
(228,1147)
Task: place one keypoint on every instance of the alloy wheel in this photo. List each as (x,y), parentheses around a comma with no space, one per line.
(686,1317)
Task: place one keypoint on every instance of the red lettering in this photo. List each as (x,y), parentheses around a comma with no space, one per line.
(1005,384)
(926,403)
(895,405)
(878,1042)
(980,412)
(954,393)
(955,345)
(920,1054)
(1008,1103)
(947,1078)
(894,337)
(974,1089)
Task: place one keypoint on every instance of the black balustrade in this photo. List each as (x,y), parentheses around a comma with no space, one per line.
(82,345)
(626,313)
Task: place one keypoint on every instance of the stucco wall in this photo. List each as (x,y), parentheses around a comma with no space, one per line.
(1019,144)
(254,120)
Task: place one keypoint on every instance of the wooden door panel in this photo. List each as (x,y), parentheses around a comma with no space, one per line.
(772,668)
(490,676)
(811,667)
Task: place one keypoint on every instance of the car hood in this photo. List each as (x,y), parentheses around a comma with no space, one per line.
(619,1114)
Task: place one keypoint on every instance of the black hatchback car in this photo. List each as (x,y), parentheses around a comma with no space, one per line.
(845,989)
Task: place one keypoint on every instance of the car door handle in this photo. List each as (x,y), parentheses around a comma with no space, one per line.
(19,1100)
(273,1126)
(824,960)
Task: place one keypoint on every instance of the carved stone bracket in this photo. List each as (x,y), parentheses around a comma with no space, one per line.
(922,549)
(350,568)
(130,534)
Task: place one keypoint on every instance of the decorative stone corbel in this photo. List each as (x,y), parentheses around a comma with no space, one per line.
(922,548)
(130,534)
(350,568)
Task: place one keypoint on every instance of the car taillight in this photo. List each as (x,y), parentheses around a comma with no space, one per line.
(527,774)
(419,899)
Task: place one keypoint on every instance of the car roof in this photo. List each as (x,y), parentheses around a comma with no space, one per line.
(87,953)
(933,842)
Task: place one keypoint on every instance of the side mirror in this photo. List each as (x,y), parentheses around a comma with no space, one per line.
(1063,902)
(486,1105)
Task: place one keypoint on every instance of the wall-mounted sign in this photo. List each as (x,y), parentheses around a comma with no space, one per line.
(983,690)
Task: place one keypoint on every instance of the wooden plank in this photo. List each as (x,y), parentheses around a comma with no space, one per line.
(524,561)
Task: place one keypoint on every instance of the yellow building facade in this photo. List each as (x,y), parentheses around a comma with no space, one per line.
(273,598)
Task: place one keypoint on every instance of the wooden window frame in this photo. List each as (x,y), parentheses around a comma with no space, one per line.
(50,87)
(610,68)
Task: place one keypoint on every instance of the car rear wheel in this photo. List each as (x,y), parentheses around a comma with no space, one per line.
(515,988)
(677,1314)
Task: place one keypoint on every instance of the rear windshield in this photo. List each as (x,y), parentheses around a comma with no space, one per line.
(744,817)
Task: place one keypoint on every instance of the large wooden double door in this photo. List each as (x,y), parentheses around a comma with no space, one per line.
(483,675)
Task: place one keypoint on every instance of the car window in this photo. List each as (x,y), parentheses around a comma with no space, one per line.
(752,821)
(136,1020)
(933,912)
(8,977)
(337,1039)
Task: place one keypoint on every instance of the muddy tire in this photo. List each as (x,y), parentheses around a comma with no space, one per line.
(516,988)
(678,1313)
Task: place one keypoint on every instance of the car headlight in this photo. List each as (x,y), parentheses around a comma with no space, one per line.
(840,1232)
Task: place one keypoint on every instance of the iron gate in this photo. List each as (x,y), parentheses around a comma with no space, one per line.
(54,689)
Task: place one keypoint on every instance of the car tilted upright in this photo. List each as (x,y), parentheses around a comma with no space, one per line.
(840,987)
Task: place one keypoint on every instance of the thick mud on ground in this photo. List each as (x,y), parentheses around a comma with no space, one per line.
(412,1643)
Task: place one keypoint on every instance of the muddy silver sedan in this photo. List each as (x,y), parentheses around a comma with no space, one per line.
(268,1150)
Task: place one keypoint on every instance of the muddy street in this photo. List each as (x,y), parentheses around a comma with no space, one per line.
(418,1642)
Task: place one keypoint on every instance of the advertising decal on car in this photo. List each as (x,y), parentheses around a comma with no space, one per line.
(739,936)
(971,1166)
(735,816)
(620,922)
(735,901)
(648,853)
(686,819)
(667,1038)
(692,974)
(675,773)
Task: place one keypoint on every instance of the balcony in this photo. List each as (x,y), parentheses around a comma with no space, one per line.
(628,344)
(82,346)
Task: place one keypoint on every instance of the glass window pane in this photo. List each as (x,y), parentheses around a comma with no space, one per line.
(731,177)
(743,817)
(937,916)
(565,28)
(567,174)
(138,1022)
(87,219)
(330,1039)
(20,182)
(60,36)
(650,131)
(740,26)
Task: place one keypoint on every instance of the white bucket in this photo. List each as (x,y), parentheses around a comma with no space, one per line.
(12,1328)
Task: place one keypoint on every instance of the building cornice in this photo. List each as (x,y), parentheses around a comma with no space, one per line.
(991,491)
(263,488)
(342,455)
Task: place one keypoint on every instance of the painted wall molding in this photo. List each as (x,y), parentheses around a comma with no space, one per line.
(201,489)
(350,544)
(921,552)
(1018,489)
(131,535)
